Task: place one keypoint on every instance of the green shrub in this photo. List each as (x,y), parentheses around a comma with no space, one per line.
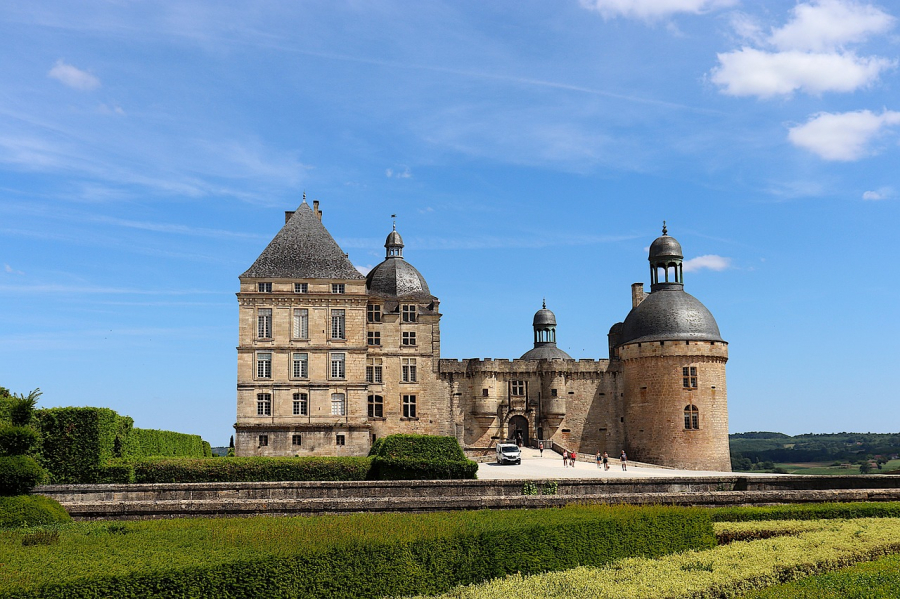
(30,510)
(879,578)
(253,469)
(420,457)
(21,409)
(77,441)
(355,556)
(413,469)
(116,472)
(17,440)
(19,474)
(812,511)
(144,443)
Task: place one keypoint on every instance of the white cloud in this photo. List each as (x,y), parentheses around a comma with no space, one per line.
(73,76)
(392,174)
(709,261)
(882,193)
(806,54)
(652,9)
(751,72)
(842,136)
(12,270)
(829,24)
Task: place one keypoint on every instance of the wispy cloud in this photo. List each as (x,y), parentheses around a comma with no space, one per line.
(652,9)
(882,193)
(403,173)
(843,136)
(707,262)
(364,270)
(11,270)
(73,76)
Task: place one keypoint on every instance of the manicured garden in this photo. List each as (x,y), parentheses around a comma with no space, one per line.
(573,552)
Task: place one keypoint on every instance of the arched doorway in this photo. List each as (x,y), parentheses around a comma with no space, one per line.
(518,430)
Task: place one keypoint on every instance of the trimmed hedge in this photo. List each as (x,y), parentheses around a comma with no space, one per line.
(420,457)
(19,474)
(141,443)
(254,469)
(77,442)
(17,440)
(31,510)
(812,511)
(353,557)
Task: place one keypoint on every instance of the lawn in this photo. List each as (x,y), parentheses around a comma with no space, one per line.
(827,468)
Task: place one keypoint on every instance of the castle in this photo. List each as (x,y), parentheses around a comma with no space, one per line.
(329,360)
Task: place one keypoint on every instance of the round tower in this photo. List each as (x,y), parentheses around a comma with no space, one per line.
(676,409)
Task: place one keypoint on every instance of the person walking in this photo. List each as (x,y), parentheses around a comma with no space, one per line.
(599,459)
(572,457)
(541,448)
(565,458)
(605,461)
(624,460)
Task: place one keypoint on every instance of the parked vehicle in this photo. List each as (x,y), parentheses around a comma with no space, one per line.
(508,453)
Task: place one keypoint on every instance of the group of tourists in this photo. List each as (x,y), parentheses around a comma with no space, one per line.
(569,458)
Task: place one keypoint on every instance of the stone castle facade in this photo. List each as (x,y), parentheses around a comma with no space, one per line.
(330,360)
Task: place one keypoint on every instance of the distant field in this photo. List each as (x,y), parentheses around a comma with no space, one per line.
(827,468)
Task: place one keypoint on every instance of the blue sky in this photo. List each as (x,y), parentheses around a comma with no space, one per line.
(529,150)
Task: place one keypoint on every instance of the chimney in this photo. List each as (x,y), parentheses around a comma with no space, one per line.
(637,294)
(287,215)
(316,209)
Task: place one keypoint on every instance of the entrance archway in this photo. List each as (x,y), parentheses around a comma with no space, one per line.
(518,430)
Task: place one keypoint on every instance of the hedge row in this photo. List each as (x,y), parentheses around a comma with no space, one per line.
(31,510)
(77,442)
(255,469)
(412,469)
(353,557)
(420,457)
(812,511)
(879,578)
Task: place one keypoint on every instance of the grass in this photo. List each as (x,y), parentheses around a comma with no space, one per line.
(878,578)
(826,468)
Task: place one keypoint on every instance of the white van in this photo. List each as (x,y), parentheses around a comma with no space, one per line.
(508,453)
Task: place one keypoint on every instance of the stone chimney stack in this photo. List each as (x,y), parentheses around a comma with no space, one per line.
(287,215)
(316,209)
(637,294)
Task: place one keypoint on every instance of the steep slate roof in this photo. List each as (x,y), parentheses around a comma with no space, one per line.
(303,249)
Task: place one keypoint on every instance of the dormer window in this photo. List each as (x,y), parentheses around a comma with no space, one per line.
(373,313)
(408,312)
(264,287)
(337,288)
(301,287)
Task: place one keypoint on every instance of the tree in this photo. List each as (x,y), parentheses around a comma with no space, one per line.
(23,408)
(865,467)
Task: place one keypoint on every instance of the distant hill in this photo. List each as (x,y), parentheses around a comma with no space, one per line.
(813,447)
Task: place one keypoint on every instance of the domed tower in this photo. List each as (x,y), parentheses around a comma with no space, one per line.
(544,324)
(403,349)
(676,411)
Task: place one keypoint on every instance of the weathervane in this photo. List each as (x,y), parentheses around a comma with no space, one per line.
(394,216)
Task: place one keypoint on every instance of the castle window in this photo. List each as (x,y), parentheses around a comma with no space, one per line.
(373,338)
(338,370)
(264,440)
(408,313)
(301,288)
(553,393)
(300,366)
(264,366)
(484,393)
(264,287)
(339,440)
(263,404)
(264,323)
(689,377)
(408,370)
(409,406)
(337,405)
(338,330)
(691,417)
(376,406)
(408,338)
(373,313)
(517,388)
(373,370)
(301,323)
(337,288)
(297,440)
(301,405)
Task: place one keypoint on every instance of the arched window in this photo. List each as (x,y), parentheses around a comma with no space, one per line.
(691,417)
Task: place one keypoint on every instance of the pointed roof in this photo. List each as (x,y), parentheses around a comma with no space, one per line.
(303,249)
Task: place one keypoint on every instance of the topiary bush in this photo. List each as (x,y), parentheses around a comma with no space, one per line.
(31,510)
(17,440)
(19,474)
(420,457)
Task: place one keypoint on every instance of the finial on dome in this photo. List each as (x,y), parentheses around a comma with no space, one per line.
(665,232)
(394,216)
(545,303)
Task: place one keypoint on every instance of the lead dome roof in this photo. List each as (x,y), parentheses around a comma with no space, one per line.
(395,277)
(546,352)
(670,314)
